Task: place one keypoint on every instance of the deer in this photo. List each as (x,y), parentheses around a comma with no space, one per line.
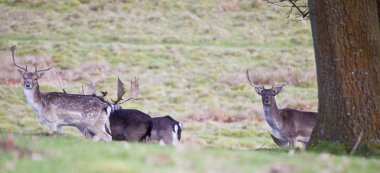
(128,124)
(88,114)
(287,126)
(137,126)
(166,130)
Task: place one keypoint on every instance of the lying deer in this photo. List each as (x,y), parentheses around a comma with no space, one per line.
(166,129)
(129,124)
(134,125)
(286,125)
(57,109)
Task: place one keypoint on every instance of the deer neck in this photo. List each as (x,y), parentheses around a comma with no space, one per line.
(33,97)
(272,116)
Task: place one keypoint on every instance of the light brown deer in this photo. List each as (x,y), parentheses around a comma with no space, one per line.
(56,109)
(286,125)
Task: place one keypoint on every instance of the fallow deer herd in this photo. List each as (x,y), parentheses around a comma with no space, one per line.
(99,119)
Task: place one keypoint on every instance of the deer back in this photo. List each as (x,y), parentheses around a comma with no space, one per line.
(130,125)
(166,129)
(83,106)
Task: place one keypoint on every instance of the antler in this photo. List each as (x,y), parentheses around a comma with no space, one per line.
(133,94)
(37,71)
(278,89)
(250,81)
(286,82)
(13,48)
(257,88)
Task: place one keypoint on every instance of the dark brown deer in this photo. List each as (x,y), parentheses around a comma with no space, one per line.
(166,130)
(57,109)
(135,125)
(286,125)
(128,124)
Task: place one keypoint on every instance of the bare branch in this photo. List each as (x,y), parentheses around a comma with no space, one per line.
(298,8)
(293,4)
(357,143)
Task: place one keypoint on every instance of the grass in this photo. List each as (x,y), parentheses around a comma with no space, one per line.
(68,154)
(191,58)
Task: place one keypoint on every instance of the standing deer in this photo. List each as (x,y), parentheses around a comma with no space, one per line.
(56,109)
(286,125)
(129,124)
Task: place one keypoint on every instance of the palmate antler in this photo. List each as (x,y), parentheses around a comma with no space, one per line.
(133,94)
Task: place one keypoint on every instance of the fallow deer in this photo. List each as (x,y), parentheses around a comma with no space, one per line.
(56,109)
(129,124)
(286,125)
(135,125)
(166,129)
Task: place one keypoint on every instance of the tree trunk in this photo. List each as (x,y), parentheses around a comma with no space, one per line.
(346,38)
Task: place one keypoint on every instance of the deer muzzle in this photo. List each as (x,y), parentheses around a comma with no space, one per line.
(28,85)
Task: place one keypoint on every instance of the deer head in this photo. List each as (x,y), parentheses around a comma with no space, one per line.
(30,79)
(267,95)
(133,94)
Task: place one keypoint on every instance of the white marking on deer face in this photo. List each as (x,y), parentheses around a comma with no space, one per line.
(29,80)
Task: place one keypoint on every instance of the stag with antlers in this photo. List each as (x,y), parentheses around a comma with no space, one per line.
(57,109)
(287,126)
(128,124)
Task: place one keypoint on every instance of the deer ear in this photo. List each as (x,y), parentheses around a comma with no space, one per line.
(259,90)
(277,90)
(40,74)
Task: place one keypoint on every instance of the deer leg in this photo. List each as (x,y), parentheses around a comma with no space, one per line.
(99,133)
(279,142)
(59,128)
(292,143)
(99,129)
(53,128)
(86,133)
(304,145)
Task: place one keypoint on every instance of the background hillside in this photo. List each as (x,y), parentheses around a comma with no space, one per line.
(191,58)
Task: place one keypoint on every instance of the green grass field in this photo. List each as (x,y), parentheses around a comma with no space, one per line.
(191,58)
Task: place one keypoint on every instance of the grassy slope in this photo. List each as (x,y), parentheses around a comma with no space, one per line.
(67,154)
(190,57)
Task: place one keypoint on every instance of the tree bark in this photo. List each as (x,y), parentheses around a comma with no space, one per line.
(346,36)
